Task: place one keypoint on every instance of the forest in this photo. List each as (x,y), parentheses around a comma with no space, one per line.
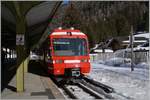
(102,20)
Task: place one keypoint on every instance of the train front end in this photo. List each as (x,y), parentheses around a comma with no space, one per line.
(69,53)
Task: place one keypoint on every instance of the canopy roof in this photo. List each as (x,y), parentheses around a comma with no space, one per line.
(37,14)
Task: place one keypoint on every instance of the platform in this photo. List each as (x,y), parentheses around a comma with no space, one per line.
(37,86)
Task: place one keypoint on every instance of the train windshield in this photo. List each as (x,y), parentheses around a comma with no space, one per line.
(70,47)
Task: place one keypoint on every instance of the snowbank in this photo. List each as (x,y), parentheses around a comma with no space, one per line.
(117,61)
(133,84)
(122,62)
(142,65)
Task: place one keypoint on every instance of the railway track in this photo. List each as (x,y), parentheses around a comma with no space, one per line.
(70,94)
(85,87)
(79,91)
(106,90)
(90,89)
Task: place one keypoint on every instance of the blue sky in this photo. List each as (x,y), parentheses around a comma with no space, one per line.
(65,1)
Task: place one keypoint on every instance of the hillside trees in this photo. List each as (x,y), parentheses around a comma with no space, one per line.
(71,17)
(102,20)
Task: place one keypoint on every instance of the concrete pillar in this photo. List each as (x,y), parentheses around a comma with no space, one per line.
(27,55)
(20,30)
(26,64)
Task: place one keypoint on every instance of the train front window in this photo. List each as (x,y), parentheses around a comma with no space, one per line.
(70,47)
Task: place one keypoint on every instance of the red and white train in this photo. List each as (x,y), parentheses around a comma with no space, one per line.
(67,53)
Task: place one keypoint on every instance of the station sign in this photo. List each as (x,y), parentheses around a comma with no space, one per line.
(19,39)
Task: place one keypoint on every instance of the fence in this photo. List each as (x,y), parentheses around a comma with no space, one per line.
(101,56)
(138,57)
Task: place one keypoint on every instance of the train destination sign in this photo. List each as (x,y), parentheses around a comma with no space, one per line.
(61,42)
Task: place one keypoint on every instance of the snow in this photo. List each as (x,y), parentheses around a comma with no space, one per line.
(96,46)
(131,84)
(100,50)
(146,35)
(135,49)
(94,54)
(141,48)
(138,73)
(64,93)
(117,61)
(136,41)
(122,62)
(143,64)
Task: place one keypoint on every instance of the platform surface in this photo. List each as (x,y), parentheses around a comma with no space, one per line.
(37,86)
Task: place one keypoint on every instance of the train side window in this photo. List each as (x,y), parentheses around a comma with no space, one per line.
(49,51)
(49,48)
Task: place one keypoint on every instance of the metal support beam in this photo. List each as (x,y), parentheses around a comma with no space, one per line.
(45,34)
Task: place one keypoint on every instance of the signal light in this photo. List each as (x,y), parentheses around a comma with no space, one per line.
(60,28)
(72,28)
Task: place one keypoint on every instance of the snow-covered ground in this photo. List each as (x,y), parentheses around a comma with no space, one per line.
(133,84)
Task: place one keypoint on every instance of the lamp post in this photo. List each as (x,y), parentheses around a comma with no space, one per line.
(131,43)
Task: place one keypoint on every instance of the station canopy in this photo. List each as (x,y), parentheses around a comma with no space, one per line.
(37,15)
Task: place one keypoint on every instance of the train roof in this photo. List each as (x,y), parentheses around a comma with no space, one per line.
(66,32)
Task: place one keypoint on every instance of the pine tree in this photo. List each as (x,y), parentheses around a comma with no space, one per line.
(71,17)
(103,20)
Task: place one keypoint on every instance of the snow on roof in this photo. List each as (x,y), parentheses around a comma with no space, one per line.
(100,50)
(146,35)
(137,41)
(141,48)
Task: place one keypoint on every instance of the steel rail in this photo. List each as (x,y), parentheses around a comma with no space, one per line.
(106,88)
(97,89)
(90,91)
(71,95)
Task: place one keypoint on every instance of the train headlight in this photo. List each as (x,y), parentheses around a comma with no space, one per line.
(84,60)
(59,61)
(48,57)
